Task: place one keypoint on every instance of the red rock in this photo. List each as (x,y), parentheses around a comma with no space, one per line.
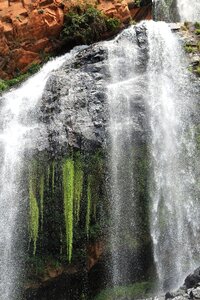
(29,29)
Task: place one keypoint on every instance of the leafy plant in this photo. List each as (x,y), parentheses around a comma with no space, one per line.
(86,25)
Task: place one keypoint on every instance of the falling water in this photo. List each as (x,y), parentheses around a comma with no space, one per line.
(174,212)
(148,67)
(19,131)
(189,10)
(177,10)
(126,131)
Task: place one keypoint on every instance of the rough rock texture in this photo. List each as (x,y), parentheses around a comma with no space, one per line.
(190,289)
(30,29)
(75,96)
(74,105)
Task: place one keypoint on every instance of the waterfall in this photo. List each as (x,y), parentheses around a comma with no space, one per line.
(173,187)
(152,161)
(150,85)
(20,131)
(123,55)
(189,10)
(177,10)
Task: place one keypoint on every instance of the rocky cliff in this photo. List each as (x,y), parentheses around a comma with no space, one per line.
(30,29)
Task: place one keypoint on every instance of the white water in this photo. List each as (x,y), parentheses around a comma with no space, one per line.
(174,190)
(154,74)
(19,131)
(177,10)
(123,53)
(189,10)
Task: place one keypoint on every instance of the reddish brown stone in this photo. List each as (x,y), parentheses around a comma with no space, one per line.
(28,27)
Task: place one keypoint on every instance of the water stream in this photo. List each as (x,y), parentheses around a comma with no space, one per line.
(149,68)
(189,10)
(173,183)
(152,124)
(177,10)
(20,131)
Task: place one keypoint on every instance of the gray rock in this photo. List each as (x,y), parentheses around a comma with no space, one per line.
(75,105)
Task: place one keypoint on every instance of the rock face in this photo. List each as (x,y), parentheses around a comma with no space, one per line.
(189,290)
(75,105)
(76,97)
(30,29)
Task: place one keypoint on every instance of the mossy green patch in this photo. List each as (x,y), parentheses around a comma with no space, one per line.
(42,199)
(78,186)
(136,290)
(34,216)
(68,189)
(88,214)
(6,84)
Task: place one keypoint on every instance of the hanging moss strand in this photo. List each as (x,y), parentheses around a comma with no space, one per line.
(34,216)
(48,175)
(42,200)
(88,213)
(78,188)
(53,176)
(68,190)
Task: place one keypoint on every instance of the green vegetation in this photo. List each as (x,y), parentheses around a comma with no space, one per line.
(87,224)
(136,290)
(65,203)
(41,11)
(6,84)
(42,199)
(138,3)
(197,31)
(34,216)
(197,25)
(78,186)
(53,176)
(197,71)
(190,48)
(84,25)
(68,189)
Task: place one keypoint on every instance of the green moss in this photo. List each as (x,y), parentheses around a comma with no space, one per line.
(197,71)
(6,84)
(3,85)
(34,216)
(53,177)
(197,31)
(68,189)
(138,3)
(136,290)
(190,49)
(88,213)
(42,200)
(48,174)
(197,25)
(78,186)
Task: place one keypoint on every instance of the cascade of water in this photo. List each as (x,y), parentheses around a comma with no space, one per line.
(189,10)
(125,100)
(151,67)
(173,188)
(177,10)
(19,131)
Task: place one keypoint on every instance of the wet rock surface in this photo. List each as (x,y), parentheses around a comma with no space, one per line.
(76,97)
(189,290)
